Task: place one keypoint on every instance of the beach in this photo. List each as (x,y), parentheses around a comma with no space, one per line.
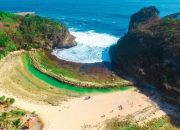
(85,112)
(80,114)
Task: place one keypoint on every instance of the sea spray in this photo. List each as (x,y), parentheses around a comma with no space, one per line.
(92,47)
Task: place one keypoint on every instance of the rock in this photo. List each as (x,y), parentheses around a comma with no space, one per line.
(54,103)
(65,100)
(68,42)
(150,50)
(120,107)
(143,16)
(111,111)
(103,116)
(87,98)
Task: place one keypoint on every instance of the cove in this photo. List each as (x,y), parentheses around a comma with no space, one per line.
(56,83)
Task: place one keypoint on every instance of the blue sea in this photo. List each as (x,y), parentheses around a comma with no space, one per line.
(97,24)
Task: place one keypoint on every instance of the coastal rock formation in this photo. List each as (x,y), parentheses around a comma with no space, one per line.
(45,33)
(28,31)
(150,50)
(67,42)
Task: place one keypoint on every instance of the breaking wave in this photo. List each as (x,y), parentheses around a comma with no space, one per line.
(92,47)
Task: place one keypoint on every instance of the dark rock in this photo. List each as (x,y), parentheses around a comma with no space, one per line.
(87,98)
(120,107)
(150,50)
(103,116)
(68,42)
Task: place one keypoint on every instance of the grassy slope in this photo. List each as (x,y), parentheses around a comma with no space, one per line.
(12,118)
(15,78)
(27,32)
(157,124)
(73,73)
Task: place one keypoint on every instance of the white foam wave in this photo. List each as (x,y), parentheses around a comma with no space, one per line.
(92,47)
(91,38)
(83,54)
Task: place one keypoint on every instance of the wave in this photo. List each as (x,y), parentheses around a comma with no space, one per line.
(92,38)
(92,47)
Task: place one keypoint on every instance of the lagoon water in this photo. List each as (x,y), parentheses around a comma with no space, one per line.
(97,24)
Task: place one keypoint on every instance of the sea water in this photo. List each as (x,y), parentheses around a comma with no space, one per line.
(96,24)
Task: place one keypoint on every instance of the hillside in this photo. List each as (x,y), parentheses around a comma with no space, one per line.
(150,50)
(31,31)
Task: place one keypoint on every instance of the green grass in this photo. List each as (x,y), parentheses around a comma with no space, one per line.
(170,20)
(10,119)
(156,124)
(8,18)
(71,72)
(51,81)
(115,124)
(48,64)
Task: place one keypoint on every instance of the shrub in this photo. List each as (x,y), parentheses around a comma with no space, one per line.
(2,99)
(17,124)
(18,112)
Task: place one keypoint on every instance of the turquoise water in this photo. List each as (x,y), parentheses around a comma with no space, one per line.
(58,84)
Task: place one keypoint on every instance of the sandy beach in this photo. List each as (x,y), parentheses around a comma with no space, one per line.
(80,114)
(90,65)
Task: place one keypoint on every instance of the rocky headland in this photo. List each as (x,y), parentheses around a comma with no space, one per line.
(28,31)
(150,50)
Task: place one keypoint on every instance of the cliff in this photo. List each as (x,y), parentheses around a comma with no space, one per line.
(27,31)
(150,50)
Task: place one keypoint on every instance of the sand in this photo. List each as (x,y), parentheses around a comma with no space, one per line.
(16,79)
(80,114)
(77,113)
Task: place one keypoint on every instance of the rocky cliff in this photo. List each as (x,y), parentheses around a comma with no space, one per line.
(27,31)
(150,50)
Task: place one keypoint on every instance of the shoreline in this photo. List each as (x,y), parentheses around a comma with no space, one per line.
(77,113)
(76,82)
(15,78)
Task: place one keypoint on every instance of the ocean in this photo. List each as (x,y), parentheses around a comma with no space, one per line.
(96,24)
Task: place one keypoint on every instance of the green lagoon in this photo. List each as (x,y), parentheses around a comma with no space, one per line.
(54,82)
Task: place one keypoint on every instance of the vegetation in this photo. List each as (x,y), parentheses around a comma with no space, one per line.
(27,32)
(40,32)
(149,50)
(156,124)
(74,72)
(6,44)
(6,101)
(6,17)
(12,118)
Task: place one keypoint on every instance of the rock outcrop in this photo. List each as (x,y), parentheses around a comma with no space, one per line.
(27,31)
(67,42)
(150,50)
